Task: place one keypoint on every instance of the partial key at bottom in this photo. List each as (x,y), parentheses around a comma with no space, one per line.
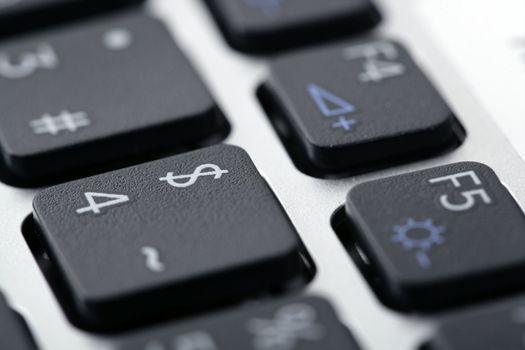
(494,327)
(306,323)
(14,334)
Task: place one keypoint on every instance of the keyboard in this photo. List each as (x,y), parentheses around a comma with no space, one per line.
(262,175)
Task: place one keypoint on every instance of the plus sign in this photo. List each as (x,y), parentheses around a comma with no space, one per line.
(344,123)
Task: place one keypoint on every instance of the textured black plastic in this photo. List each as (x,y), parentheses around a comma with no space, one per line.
(494,326)
(20,16)
(256,27)
(477,253)
(398,118)
(306,323)
(141,99)
(220,239)
(14,334)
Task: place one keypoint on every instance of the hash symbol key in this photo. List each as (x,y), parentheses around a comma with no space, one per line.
(176,235)
(101,94)
(440,236)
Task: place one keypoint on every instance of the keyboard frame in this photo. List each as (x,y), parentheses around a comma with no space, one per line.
(310,202)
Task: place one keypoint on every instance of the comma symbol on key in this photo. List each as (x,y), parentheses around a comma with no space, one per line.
(153,262)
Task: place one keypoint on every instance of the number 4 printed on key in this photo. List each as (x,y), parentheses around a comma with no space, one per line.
(111,200)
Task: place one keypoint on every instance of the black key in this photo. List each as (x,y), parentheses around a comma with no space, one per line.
(305,323)
(495,327)
(441,236)
(261,26)
(182,233)
(18,16)
(115,89)
(353,106)
(14,334)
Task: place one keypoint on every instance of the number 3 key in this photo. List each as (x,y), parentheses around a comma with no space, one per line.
(440,236)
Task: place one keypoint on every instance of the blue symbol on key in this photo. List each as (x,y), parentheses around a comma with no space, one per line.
(344,123)
(328,103)
(270,8)
(419,237)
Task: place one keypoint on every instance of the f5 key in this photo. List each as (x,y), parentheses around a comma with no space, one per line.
(439,237)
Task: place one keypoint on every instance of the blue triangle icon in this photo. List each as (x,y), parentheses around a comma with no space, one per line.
(328,103)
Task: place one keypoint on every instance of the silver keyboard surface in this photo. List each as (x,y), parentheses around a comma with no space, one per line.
(479,69)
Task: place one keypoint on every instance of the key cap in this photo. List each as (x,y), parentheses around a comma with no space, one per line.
(14,334)
(182,233)
(351,107)
(263,26)
(306,323)
(441,236)
(17,16)
(497,326)
(112,90)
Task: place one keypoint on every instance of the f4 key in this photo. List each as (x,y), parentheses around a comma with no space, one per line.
(439,237)
(350,107)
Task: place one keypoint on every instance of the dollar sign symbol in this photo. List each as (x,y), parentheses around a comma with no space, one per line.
(214,171)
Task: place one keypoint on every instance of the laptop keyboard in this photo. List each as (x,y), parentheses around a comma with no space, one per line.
(310,185)
(86,113)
